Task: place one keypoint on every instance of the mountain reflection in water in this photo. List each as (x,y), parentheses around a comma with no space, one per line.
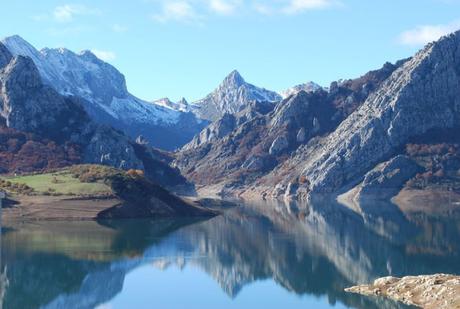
(312,252)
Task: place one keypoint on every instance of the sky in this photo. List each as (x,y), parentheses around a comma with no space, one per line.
(184,48)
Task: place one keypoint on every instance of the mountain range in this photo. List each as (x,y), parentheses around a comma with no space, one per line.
(232,96)
(392,129)
(107,99)
(42,129)
(164,124)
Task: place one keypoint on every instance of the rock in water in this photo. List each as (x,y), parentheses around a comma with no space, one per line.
(430,292)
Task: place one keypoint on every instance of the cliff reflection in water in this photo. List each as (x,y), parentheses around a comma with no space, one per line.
(316,250)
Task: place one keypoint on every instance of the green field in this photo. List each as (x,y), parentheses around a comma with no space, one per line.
(60,183)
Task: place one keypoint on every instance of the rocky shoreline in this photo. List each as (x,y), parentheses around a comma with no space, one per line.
(430,291)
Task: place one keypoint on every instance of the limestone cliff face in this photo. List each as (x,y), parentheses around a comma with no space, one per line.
(30,106)
(327,141)
(421,95)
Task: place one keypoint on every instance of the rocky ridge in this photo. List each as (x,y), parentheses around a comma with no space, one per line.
(329,142)
(307,87)
(236,150)
(28,105)
(107,99)
(420,96)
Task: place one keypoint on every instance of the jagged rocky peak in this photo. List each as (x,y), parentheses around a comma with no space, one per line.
(307,87)
(182,105)
(234,79)
(164,102)
(232,96)
(183,101)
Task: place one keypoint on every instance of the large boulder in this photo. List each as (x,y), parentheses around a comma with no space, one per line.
(279,145)
(388,178)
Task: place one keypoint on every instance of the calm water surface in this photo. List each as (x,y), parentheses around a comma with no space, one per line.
(253,256)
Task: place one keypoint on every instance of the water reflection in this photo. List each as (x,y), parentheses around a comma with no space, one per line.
(307,250)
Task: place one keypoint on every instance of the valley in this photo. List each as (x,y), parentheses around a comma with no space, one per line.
(341,184)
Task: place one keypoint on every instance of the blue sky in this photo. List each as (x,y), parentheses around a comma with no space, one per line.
(186,47)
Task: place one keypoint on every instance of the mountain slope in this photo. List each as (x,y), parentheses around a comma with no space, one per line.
(236,150)
(232,96)
(59,123)
(419,97)
(107,99)
(370,134)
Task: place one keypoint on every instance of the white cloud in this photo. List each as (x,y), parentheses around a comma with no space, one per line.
(224,7)
(199,10)
(177,11)
(66,13)
(104,54)
(299,6)
(424,34)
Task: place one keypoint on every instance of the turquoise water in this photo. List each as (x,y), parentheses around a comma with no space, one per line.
(253,256)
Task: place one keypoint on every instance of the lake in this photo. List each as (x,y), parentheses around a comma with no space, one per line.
(258,255)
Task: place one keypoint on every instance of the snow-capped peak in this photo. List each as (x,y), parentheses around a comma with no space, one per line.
(234,79)
(231,96)
(182,105)
(99,83)
(307,87)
